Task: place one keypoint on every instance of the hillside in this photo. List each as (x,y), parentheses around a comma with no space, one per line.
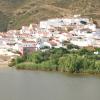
(15,13)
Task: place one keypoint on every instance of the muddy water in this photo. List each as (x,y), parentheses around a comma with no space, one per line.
(37,85)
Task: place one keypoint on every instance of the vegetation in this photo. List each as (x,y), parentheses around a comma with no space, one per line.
(60,59)
(22,12)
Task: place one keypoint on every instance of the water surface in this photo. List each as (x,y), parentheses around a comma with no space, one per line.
(37,85)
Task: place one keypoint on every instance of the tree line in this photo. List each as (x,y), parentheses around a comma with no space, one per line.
(60,59)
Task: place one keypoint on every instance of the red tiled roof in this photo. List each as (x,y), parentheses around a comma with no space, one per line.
(53,42)
(25,35)
(24,41)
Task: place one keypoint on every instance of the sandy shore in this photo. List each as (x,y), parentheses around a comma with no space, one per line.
(4,61)
(4,64)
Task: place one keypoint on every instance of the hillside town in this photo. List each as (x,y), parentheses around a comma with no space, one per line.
(50,33)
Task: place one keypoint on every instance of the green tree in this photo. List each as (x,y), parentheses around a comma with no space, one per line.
(84,51)
(97,65)
(42,56)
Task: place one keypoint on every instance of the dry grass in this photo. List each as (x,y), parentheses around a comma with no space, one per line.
(22,12)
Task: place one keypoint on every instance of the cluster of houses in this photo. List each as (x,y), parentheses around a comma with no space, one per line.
(51,33)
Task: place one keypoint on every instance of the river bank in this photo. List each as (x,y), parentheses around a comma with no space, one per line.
(4,64)
(5,60)
(60,59)
(34,67)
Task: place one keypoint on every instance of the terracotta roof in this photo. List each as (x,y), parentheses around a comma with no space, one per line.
(24,41)
(25,35)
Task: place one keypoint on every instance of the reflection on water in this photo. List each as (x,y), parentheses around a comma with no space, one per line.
(37,85)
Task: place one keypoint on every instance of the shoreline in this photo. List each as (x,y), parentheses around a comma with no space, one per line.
(5,60)
(3,64)
(75,73)
(59,71)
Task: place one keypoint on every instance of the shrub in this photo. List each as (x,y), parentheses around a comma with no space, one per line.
(27,65)
(12,63)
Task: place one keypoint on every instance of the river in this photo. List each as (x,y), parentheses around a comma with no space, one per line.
(39,85)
